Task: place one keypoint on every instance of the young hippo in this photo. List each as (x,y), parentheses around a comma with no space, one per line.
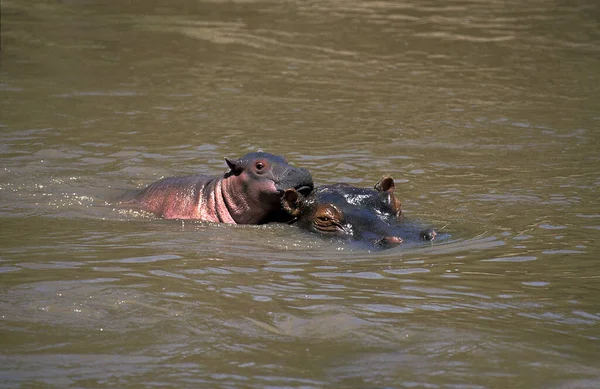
(351,213)
(249,192)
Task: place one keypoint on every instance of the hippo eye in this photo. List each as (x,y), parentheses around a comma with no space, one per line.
(260,166)
(329,221)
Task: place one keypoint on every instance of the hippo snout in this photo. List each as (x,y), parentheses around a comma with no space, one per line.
(297,178)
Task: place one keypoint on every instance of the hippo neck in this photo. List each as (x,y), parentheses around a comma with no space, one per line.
(209,204)
(236,203)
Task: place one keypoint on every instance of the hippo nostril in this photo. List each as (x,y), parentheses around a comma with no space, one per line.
(428,234)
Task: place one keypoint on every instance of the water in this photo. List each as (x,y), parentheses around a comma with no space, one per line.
(485,113)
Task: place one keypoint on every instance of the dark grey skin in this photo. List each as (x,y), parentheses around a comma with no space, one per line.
(343,211)
(250,192)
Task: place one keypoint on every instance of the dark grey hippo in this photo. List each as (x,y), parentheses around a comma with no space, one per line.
(343,211)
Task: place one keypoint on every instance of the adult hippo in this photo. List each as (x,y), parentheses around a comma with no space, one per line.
(357,214)
(249,192)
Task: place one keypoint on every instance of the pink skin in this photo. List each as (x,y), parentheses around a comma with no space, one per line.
(213,199)
(246,194)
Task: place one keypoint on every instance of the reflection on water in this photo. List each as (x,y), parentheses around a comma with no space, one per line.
(485,113)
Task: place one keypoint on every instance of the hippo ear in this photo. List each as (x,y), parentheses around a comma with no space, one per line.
(386,184)
(234,164)
(291,201)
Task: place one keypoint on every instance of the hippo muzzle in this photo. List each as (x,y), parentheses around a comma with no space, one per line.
(297,178)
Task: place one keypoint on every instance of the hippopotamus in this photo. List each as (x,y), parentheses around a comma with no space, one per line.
(249,192)
(354,214)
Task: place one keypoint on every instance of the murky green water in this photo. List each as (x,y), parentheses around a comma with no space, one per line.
(486,113)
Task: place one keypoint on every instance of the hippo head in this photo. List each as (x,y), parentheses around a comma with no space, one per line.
(257,182)
(350,213)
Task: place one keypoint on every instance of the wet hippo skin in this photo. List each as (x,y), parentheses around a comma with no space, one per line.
(356,214)
(249,192)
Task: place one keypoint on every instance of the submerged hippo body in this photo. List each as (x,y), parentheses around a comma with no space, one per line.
(248,193)
(371,216)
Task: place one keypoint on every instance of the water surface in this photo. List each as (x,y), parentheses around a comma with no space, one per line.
(486,113)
